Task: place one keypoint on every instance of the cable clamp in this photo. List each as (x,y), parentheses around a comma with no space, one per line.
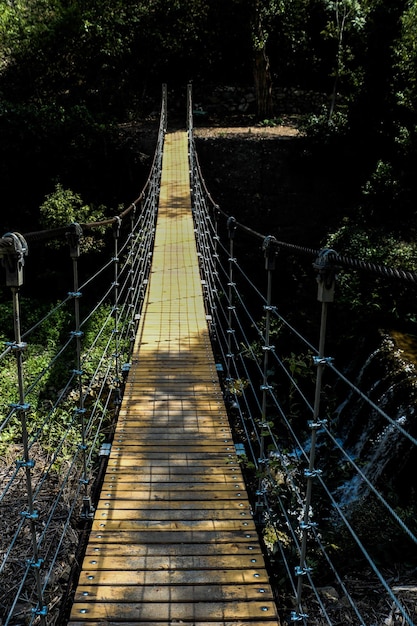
(308,525)
(80,411)
(230,355)
(105,449)
(231,284)
(40,610)
(75,294)
(312,473)
(34,515)
(317,424)
(231,331)
(20,407)
(298,617)
(76,333)
(302,571)
(269,307)
(232,260)
(36,564)
(261,492)
(231,308)
(317,360)
(265,387)
(268,348)
(82,447)
(18,347)
(87,511)
(22,463)
(263,461)
(78,372)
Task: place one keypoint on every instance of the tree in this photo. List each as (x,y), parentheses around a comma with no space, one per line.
(262,14)
(348,17)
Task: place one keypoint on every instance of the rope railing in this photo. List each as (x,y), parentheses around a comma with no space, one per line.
(315,492)
(69,373)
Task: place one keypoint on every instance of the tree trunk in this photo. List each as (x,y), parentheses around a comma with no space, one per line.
(263,84)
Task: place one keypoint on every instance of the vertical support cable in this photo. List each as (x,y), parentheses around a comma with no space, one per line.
(270,253)
(14,263)
(74,238)
(325,295)
(231,227)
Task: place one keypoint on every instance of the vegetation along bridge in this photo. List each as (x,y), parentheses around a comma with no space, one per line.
(174,446)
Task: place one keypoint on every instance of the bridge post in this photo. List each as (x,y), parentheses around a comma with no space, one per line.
(270,251)
(116,234)
(132,322)
(231,227)
(326,276)
(74,237)
(13,254)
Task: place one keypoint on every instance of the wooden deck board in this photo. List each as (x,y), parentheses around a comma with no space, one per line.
(173,539)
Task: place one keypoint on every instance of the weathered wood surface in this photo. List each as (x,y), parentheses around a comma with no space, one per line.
(173,540)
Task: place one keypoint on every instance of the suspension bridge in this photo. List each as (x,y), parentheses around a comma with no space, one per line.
(194,481)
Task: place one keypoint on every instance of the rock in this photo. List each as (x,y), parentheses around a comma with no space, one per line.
(329,593)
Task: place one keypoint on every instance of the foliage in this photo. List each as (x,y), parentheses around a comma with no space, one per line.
(321,129)
(63,207)
(51,414)
(372,299)
(406,59)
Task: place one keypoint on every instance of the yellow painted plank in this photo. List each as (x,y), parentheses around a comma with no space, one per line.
(191,485)
(174,611)
(178,526)
(166,549)
(235,622)
(170,593)
(239,504)
(165,562)
(173,577)
(103,537)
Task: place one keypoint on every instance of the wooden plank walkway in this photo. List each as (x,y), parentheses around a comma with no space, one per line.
(173,540)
